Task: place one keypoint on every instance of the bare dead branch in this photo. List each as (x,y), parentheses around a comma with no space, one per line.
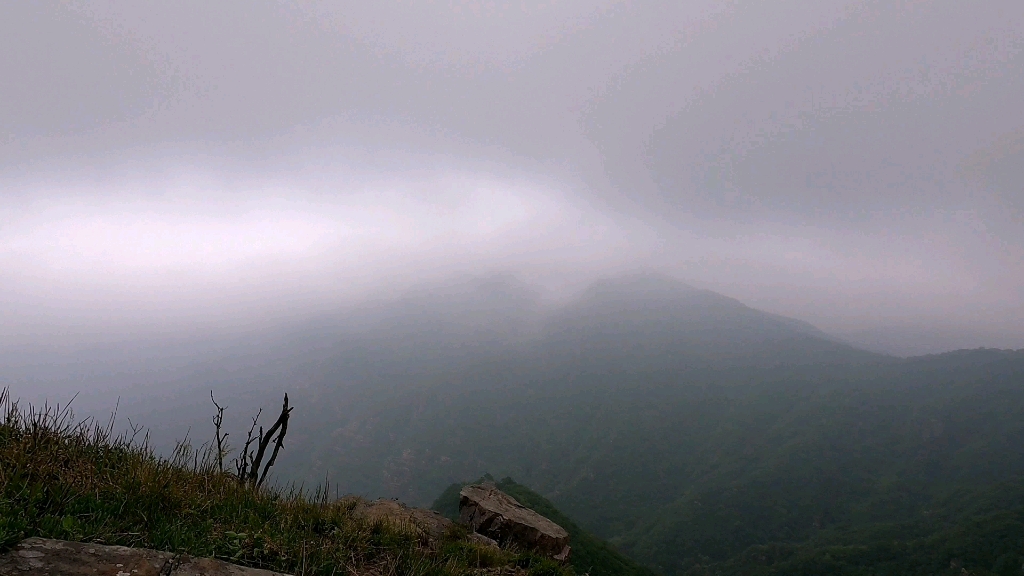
(280,427)
(218,420)
(253,452)
(279,443)
(245,457)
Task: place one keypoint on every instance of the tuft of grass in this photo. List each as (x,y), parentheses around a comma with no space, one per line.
(77,480)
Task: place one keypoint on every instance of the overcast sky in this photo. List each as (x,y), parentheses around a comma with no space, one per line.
(859,165)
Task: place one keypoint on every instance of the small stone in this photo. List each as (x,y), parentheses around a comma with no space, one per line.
(563,555)
(481,539)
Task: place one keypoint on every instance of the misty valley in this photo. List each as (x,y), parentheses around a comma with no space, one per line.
(677,431)
(511,288)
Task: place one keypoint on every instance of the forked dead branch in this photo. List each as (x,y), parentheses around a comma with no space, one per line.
(248,461)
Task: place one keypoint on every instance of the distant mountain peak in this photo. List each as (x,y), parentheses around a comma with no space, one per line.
(662,319)
(640,283)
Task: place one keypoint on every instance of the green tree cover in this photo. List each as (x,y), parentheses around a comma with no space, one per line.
(590,555)
(859,468)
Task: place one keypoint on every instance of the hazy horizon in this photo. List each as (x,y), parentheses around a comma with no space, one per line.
(192,171)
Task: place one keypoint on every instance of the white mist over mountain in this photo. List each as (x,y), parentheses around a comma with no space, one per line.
(194,170)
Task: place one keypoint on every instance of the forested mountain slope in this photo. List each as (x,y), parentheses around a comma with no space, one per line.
(624,341)
(701,466)
(687,429)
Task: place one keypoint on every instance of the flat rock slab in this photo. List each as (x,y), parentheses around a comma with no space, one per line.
(489,511)
(39,556)
(425,522)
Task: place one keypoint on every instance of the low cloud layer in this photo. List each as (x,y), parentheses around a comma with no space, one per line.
(225,165)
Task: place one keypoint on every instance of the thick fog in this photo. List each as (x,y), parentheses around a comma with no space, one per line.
(177,174)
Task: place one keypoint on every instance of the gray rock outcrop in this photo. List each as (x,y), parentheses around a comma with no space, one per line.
(426,523)
(492,513)
(60,558)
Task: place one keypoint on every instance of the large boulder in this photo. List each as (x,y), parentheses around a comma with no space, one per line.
(489,511)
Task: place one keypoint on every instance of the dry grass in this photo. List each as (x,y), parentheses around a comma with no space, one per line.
(61,478)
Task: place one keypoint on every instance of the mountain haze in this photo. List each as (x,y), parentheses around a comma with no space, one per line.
(734,286)
(653,316)
(490,333)
(690,431)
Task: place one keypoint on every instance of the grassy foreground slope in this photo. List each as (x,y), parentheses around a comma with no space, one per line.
(77,481)
(590,555)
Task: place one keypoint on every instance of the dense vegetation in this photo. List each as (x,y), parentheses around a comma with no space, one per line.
(900,468)
(73,481)
(590,555)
